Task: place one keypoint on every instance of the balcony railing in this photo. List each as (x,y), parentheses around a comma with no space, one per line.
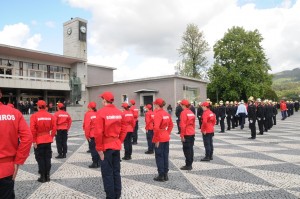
(33,78)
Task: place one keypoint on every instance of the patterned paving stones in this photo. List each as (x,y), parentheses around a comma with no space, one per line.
(268,167)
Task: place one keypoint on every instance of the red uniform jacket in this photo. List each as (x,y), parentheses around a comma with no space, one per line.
(63,120)
(110,133)
(42,124)
(89,124)
(163,126)
(128,121)
(208,121)
(187,122)
(149,120)
(12,127)
(283,106)
(135,112)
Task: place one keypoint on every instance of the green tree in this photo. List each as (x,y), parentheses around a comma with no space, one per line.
(192,50)
(240,68)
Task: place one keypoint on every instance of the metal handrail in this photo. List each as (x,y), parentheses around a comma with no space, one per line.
(33,78)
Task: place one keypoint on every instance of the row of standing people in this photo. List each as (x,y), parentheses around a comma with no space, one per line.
(18,137)
(111,128)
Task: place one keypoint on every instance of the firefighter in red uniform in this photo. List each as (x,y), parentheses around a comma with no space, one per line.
(135,112)
(207,130)
(109,135)
(12,154)
(187,134)
(128,121)
(89,128)
(149,120)
(43,129)
(63,124)
(163,126)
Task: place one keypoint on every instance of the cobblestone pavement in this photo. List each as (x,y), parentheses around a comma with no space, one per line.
(268,167)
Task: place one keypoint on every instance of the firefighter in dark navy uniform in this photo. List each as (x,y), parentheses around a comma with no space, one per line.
(260,116)
(252,117)
(222,115)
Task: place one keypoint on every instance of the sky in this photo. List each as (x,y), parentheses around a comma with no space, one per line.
(140,38)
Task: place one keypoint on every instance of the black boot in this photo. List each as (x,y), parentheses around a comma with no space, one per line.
(60,156)
(186,168)
(94,165)
(64,156)
(206,158)
(48,177)
(42,178)
(166,177)
(160,178)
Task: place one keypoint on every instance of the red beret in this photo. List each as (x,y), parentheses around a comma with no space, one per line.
(41,103)
(185,102)
(92,105)
(108,96)
(149,106)
(159,102)
(125,105)
(205,104)
(60,105)
(132,102)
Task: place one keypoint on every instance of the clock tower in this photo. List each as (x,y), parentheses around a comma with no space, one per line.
(75,35)
(75,45)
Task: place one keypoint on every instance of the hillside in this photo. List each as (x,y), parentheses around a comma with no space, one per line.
(287,84)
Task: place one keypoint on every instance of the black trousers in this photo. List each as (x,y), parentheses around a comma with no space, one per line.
(274,120)
(135,132)
(252,127)
(208,144)
(188,149)
(178,125)
(110,170)
(7,188)
(260,125)
(43,156)
(94,153)
(222,124)
(149,136)
(200,122)
(128,144)
(61,142)
(228,120)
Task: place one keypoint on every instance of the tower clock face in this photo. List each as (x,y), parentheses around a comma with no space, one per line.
(69,31)
(83,29)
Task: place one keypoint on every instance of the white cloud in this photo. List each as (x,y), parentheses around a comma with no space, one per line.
(19,35)
(50,24)
(153,29)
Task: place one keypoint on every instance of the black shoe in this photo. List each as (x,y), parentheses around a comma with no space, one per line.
(166,177)
(205,159)
(134,143)
(59,156)
(186,168)
(178,133)
(211,158)
(94,165)
(88,151)
(149,152)
(64,156)
(251,138)
(126,158)
(221,131)
(42,178)
(159,178)
(47,177)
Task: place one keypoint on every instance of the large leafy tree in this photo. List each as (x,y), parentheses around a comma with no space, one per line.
(192,50)
(240,68)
